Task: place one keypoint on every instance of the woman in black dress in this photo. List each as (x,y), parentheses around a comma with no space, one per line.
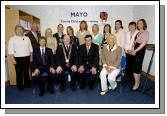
(74,39)
(141,40)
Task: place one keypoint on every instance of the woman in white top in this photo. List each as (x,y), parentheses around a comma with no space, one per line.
(120,34)
(82,32)
(20,50)
(129,46)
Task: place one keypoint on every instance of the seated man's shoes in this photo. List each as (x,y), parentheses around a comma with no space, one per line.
(103,92)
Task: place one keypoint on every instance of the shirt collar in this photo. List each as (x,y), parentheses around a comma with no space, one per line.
(114,48)
(42,48)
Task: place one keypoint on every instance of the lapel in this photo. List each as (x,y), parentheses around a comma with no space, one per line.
(46,54)
(90,49)
(40,55)
(34,37)
(85,50)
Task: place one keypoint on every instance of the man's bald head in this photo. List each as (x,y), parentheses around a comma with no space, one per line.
(66,39)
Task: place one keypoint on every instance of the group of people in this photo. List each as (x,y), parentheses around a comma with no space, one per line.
(80,55)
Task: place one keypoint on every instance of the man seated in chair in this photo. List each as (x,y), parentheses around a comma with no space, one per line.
(88,62)
(67,60)
(111,58)
(43,63)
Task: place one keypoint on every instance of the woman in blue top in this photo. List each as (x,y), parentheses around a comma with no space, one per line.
(97,38)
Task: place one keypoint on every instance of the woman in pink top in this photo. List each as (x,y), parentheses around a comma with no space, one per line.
(120,34)
(141,40)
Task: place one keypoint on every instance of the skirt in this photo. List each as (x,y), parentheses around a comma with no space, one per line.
(138,59)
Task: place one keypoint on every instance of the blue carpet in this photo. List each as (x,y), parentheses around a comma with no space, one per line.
(121,95)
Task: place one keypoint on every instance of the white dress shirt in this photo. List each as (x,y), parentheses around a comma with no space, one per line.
(129,44)
(19,46)
(41,49)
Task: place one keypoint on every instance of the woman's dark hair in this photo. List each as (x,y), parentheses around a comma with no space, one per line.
(69,27)
(132,23)
(105,27)
(86,25)
(120,22)
(59,25)
(144,23)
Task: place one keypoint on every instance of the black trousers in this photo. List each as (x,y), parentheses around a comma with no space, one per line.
(62,77)
(87,78)
(22,72)
(42,80)
(129,68)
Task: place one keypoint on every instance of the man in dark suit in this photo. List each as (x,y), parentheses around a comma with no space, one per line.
(59,35)
(88,62)
(43,63)
(67,60)
(34,35)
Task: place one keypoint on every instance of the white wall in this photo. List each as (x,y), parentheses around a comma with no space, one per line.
(125,13)
(49,16)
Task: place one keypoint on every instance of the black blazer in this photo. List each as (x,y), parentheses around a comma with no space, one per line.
(92,58)
(59,39)
(74,40)
(33,40)
(60,59)
(37,59)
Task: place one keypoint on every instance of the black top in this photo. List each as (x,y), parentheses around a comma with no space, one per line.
(59,39)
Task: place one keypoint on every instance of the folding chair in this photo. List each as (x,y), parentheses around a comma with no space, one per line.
(122,73)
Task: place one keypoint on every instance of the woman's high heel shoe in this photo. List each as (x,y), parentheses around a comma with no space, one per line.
(136,88)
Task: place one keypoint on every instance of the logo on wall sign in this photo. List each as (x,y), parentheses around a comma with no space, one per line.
(79,14)
(103,16)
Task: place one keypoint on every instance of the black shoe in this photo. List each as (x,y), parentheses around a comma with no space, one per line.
(82,87)
(27,86)
(91,87)
(63,89)
(20,88)
(134,89)
(51,91)
(137,89)
(41,94)
(73,88)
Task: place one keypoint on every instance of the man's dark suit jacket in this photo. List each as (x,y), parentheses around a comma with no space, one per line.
(92,58)
(33,40)
(60,59)
(37,59)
